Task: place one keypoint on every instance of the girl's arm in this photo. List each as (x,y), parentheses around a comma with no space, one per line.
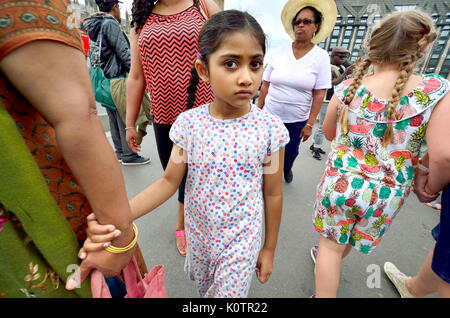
(318,96)
(161,190)
(146,201)
(263,93)
(329,123)
(273,203)
(437,136)
(135,92)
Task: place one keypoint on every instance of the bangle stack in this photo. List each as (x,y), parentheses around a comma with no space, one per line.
(119,250)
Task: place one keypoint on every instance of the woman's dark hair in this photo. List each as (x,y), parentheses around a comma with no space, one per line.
(139,13)
(214,31)
(317,16)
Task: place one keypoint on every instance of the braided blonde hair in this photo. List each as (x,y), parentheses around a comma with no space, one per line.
(401,38)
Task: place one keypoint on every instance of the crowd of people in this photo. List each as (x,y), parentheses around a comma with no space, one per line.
(62,193)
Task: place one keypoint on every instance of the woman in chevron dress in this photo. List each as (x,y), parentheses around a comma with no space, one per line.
(163,49)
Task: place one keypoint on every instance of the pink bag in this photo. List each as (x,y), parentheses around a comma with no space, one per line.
(153,285)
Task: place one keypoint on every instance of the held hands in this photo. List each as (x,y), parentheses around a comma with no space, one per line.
(133,139)
(264,265)
(95,256)
(421,187)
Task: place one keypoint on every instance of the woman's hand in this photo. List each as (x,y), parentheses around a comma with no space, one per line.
(133,140)
(305,133)
(99,236)
(95,256)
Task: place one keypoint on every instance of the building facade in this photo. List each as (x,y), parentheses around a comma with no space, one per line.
(356,18)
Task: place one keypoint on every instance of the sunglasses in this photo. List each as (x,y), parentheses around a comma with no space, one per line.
(304,21)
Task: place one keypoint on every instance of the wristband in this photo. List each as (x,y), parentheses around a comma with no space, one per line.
(119,250)
(126,128)
(422,167)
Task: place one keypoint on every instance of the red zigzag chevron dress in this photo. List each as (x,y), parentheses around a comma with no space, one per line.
(168,48)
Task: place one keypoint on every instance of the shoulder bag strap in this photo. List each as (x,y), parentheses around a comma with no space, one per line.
(204,8)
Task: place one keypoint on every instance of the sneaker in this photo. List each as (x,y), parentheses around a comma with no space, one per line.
(314,251)
(316,154)
(398,279)
(320,150)
(288,176)
(136,161)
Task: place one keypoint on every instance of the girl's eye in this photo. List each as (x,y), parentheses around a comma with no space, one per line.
(256,64)
(230,64)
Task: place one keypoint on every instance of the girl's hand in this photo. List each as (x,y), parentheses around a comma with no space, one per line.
(133,140)
(264,265)
(99,236)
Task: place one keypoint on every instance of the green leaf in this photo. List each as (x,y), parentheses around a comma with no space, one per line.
(404,100)
(400,177)
(366,101)
(401,125)
(379,129)
(352,162)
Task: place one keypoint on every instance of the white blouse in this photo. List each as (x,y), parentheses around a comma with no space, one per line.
(292,82)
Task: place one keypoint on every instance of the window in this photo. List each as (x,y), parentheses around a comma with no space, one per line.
(404,8)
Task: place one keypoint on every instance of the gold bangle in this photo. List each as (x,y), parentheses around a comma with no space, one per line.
(309,125)
(119,250)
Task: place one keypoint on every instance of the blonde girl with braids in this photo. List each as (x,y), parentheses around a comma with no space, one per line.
(377,123)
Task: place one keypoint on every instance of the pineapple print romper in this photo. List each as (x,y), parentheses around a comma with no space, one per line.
(365,184)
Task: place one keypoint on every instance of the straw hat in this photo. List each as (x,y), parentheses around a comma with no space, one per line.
(326,7)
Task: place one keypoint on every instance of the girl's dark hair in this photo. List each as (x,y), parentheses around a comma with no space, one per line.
(214,31)
(139,13)
(317,16)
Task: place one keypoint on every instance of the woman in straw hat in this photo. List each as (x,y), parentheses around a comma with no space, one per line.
(298,75)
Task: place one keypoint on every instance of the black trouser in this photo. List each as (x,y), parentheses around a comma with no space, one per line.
(164,145)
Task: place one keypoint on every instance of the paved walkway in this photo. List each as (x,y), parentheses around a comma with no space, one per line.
(406,244)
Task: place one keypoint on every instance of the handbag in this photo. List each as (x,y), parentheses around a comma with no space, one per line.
(153,285)
(100,84)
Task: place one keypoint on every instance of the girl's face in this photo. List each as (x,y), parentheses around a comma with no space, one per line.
(234,71)
(305,25)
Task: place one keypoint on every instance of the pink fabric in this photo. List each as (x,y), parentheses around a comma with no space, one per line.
(153,285)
